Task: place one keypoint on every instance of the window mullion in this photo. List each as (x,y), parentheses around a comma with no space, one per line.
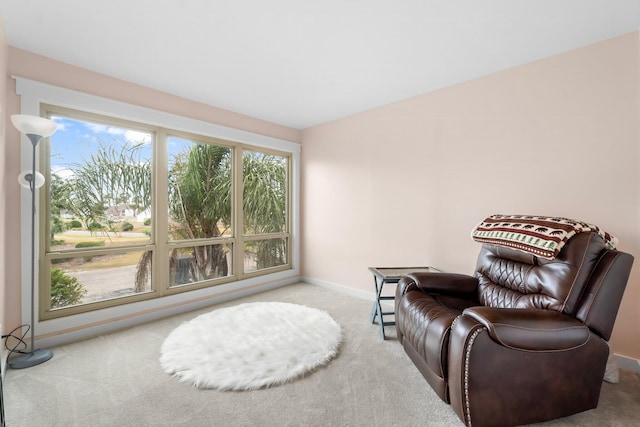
(238,223)
(160,220)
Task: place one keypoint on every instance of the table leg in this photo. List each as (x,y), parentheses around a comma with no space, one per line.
(375,310)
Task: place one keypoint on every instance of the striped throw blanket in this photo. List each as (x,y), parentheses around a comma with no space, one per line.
(538,235)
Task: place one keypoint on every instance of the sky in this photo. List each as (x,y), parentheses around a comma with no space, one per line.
(75,141)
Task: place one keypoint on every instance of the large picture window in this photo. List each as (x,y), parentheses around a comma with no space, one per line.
(136,212)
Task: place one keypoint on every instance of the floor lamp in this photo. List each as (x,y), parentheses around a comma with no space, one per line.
(35,128)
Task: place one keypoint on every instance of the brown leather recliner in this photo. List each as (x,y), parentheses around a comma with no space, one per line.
(524,340)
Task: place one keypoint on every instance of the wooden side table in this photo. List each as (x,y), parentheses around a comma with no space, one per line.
(382,276)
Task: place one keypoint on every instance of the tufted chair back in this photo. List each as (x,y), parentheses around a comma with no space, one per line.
(508,278)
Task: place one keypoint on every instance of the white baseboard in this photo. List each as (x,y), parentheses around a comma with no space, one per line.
(627,363)
(371,296)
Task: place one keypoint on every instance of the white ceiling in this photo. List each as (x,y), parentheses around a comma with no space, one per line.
(304,62)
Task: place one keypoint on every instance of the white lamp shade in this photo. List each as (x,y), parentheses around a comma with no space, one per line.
(24,179)
(33,125)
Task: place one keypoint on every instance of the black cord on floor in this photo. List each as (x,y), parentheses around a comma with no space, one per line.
(20,341)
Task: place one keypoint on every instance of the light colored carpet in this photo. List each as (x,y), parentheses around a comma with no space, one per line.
(250,346)
(117,380)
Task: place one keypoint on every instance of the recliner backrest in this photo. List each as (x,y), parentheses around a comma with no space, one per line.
(509,278)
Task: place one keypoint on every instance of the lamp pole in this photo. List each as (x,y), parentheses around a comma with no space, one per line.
(34,128)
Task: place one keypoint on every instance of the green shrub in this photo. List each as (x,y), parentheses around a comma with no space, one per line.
(89,244)
(55,242)
(95,226)
(65,290)
(147,221)
(126,226)
(74,224)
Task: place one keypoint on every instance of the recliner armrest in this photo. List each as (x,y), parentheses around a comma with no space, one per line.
(444,282)
(531,329)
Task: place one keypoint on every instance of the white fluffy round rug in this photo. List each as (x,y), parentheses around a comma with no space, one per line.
(250,346)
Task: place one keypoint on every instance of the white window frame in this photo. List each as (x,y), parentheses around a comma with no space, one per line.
(79,326)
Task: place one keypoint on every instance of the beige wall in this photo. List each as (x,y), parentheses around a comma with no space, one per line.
(406,183)
(4,182)
(35,67)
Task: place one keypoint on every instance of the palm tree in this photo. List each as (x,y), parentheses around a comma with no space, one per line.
(200,207)
(200,200)
(265,204)
(108,178)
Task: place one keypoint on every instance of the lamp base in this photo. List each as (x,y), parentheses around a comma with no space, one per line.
(28,360)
